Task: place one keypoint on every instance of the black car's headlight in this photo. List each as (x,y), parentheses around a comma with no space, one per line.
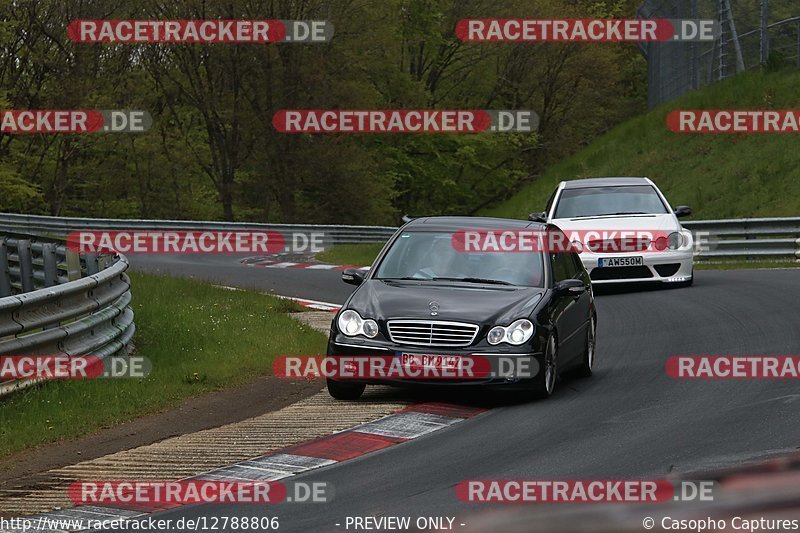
(519,332)
(351,324)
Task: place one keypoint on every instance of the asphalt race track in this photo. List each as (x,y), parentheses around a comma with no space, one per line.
(628,421)
(223,269)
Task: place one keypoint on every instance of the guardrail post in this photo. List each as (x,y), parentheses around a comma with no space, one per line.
(797,252)
(91,264)
(50,264)
(73,265)
(25,264)
(5,277)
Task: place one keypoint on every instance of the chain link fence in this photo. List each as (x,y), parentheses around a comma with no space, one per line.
(753,33)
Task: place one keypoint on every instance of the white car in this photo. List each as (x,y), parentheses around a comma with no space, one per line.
(605,210)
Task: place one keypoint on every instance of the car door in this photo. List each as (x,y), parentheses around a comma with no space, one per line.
(571,309)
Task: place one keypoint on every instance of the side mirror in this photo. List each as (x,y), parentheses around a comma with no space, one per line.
(353,276)
(683,211)
(538,217)
(571,286)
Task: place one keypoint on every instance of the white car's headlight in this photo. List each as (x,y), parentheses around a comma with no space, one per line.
(519,332)
(351,324)
(674,240)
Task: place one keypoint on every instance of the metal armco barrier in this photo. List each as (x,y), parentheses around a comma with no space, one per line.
(748,239)
(769,239)
(333,234)
(57,302)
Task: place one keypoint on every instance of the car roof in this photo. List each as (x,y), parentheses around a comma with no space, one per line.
(604,182)
(454,223)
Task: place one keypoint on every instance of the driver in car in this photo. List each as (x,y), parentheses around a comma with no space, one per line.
(443,261)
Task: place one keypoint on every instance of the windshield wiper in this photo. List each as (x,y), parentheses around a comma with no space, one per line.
(613,214)
(476,280)
(404,278)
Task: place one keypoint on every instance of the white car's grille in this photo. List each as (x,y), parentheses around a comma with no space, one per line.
(432,333)
(617,246)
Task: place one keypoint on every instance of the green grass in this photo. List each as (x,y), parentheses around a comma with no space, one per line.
(351,254)
(718,175)
(198,337)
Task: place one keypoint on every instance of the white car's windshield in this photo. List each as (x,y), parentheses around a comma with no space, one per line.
(599,201)
(427,255)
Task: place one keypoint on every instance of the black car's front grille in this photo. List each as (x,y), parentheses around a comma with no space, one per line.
(628,272)
(667,270)
(432,333)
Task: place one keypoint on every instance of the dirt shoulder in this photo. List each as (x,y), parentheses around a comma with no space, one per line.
(263,395)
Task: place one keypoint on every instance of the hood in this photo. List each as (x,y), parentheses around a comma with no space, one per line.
(665,222)
(457,302)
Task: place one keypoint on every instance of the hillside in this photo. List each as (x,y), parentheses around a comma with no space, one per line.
(719,176)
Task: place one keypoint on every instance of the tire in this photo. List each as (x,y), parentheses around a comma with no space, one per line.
(545,381)
(585,370)
(345,391)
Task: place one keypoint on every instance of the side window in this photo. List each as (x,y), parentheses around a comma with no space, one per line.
(562,261)
(577,264)
(563,267)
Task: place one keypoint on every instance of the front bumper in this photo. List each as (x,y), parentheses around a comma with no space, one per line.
(665,267)
(512,367)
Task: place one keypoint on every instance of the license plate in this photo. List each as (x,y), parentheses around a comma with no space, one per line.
(612,262)
(435,362)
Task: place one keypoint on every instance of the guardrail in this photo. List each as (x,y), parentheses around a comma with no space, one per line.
(334,234)
(57,302)
(748,239)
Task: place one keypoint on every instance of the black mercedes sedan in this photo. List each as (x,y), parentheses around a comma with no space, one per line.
(430,300)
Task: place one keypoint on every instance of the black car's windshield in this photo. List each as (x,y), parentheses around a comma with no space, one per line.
(431,256)
(600,201)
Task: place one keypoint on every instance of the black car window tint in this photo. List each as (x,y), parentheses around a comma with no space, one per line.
(577,265)
(562,266)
